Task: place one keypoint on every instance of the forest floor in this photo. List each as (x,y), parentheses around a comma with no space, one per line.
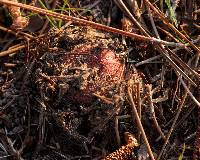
(99,79)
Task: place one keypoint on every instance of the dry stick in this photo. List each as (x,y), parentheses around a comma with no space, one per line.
(117,126)
(139,122)
(150,99)
(167,33)
(138,86)
(42,124)
(117,130)
(9,65)
(109,14)
(7,52)
(175,92)
(163,66)
(160,47)
(173,125)
(171,25)
(172,54)
(153,24)
(182,120)
(92,24)
(149,60)
(9,145)
(19,33)
(190,94)
(182,63)
(123,7)
(9,103)
(134,8)
(17,47)
(179,110)
(108,29)
(173,64)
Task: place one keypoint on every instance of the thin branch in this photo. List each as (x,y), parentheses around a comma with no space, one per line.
(150,92)
(149,60)
(92,24)
(191,95)
(173,125)
(19,33)
(160,47)
(171,26)
(139,124)
(10,51)
(108,29)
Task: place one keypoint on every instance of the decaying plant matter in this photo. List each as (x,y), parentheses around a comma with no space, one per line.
(19,22)
(81,64)
(125,152)
(81,91)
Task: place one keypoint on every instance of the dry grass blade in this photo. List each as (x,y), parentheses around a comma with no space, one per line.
(191,95)
(173,64)
(92,24)
(106,28)
(123,7)
(149,88)
(10,51)
(19,33)
(173,125)
(84,90)
(196,152)
(161,48)
(135,113)
(183,64)
(172,26)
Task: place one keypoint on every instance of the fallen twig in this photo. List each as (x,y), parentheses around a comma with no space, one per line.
(10,51)
(173,125)
(92,24)
(149,88)
(171,26)
(135,113)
